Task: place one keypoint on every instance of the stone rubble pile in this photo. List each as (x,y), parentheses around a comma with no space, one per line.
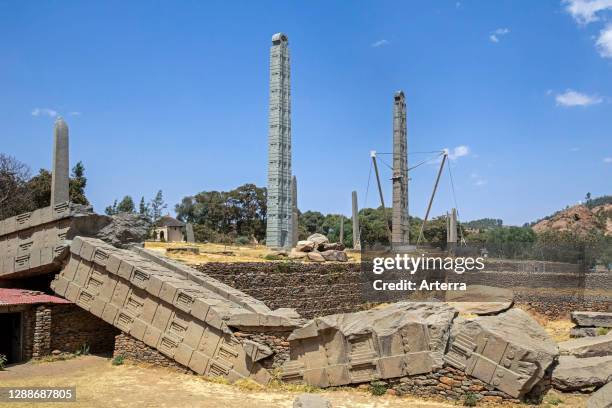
(317,248)
(585,364)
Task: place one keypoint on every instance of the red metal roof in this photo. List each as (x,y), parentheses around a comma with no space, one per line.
(12,297)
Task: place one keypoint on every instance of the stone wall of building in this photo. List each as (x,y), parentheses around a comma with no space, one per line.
(41,343)
(322,289)
(135,350)
(72,328)
(28,323)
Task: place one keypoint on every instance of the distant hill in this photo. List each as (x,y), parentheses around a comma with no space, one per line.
(483,224)
(580,219)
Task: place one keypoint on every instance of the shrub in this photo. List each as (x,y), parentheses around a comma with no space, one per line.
(378,387)
(118,360)
(83,351)
(470,400)
(602,331)
(242,240)
(3,361)
(554,400)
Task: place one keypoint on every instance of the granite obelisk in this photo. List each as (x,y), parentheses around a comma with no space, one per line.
(399,220)
(279,223)
(294,213)
(60,181)
(356,237)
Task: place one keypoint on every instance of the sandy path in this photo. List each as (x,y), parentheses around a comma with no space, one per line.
(99,384)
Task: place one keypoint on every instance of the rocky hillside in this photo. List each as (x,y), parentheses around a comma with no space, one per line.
(579,219)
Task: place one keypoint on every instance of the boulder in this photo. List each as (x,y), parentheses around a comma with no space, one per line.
(587,346)
(397,340)
(311,401)
(592,319)
(509,351)
(582,374)
(120,230)
(318,239)
(602,398)
(305,246)
(332,246)
(481,299)
(577,332)
(315,256)
(333,255)
(296,254)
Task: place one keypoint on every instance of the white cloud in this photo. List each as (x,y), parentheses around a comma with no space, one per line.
(586,11)
(573,98)
(497,34)
(457,152)
(478,180)
(380,43)
(75,113)
(607,160)
(604,42)
(44,111)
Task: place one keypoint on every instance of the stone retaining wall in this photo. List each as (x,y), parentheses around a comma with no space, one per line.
(72,328)
(322,289)
(449,383)
(312,289)
(135,350)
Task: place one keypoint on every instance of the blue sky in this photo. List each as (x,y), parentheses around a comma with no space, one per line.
(173,96)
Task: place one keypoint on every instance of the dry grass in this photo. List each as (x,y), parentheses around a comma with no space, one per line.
(558,329)
(224,253)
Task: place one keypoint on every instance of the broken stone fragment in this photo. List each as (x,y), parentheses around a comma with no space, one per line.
(311,401)
(481,299)
(509,351)
(397,340)
(333,246)
(577,332)
(256,351)
(305,246)
(582,374)
(296,254)
(587,346)
(602,398)
(318,239)
(334,255)
(592,319)
(315,257)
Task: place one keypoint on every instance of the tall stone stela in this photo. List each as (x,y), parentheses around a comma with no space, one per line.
(60,181)
(294,213)
(279,224)
(356,237)
(399,220)
(451,230)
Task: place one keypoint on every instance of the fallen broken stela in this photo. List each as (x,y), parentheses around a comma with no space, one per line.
(191,318)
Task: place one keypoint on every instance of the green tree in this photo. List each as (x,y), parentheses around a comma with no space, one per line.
(144,208)
(157,207)
(240,212)
(78,181)
(40,187)
(15,196)
(111,209)
(126,205)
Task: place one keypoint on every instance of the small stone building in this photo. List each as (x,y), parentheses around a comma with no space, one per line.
(33,324)
(169,229)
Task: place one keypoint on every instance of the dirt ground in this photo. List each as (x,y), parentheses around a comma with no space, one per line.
(222,253)
(100,384)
